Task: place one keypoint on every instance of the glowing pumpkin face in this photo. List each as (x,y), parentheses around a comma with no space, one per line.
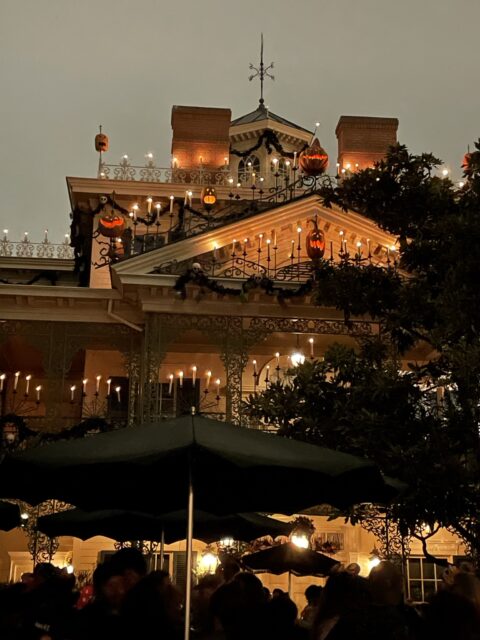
(209,197)
(101,142)
(111,225)
(315,243)
(314,160)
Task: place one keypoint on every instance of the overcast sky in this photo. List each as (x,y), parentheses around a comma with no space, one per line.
(68,65)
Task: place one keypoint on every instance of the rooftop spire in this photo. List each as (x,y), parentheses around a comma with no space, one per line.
(261,72)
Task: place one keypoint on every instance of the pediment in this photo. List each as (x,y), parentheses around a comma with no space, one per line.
(279,225)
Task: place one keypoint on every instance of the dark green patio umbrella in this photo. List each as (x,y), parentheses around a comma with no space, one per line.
(132,525)
(155,467)
(289,558)
(149,468)
(9,516)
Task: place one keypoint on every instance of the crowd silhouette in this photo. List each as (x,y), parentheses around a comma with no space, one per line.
(127,602)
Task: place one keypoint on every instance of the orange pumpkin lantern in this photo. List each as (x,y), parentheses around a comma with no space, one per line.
(209,197)
(466,161)
(315,242)
(314,160)
(101,142)
(111,226)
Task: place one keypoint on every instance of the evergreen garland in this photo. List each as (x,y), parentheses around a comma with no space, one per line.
(270,139)
(192,276)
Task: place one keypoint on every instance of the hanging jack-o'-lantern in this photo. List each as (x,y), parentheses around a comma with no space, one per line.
(111,226)
(208,197)
(314,160)
(467,158)
(315,242)
(101,142)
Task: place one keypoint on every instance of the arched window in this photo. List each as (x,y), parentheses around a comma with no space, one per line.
(280,167)
(247,166)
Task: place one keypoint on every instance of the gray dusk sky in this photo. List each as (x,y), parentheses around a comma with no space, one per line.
(68,65)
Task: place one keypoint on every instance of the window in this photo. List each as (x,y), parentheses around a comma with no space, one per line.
(247,166)
(423,578)
(179,401)
(281,168)
(118,400)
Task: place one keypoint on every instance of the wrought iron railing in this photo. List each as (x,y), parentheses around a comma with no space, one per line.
(151,173)
(184,220)
(27,249)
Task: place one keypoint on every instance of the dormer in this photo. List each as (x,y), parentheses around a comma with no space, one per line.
(258,142)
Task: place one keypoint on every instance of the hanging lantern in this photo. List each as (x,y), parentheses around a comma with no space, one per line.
(111,225)
(314,160)
(208,197)
(101,142)
(315,242)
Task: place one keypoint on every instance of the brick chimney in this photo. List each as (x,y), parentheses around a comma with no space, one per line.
(363,140)
(200,137)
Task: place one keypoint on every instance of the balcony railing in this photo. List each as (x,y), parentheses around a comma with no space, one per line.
(27,249)
(151,173)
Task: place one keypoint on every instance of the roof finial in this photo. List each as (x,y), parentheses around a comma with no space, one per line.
(261,72)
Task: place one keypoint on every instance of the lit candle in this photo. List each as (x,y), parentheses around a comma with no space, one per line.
(149,204)
(27,384)
(15,383)
(38,389)
(190,194)
(171,204)
(158,207)
(2,379)
(267,373)
(180,377)
(274,239)
(109,382)
(233,246)
(245,241)
(46,236)
(260,238)
(117,389)
(359,249)
(275,162)
(207,383)
(186,198)
(277,356)
(97,386)
(217,383)
(311,347)
(299,231)
(215,247)
(268,249)
(72,392)
(170,384)
(194,374)
(254,367)
(225,161)
(294,159)
(254,177)
(84,386)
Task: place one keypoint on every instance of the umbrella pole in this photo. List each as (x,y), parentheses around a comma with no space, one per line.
(162,549)
(188,590)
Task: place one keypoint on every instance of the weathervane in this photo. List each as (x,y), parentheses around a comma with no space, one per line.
(261,72)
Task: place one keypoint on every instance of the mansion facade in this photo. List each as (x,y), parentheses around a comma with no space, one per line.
(159,301)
